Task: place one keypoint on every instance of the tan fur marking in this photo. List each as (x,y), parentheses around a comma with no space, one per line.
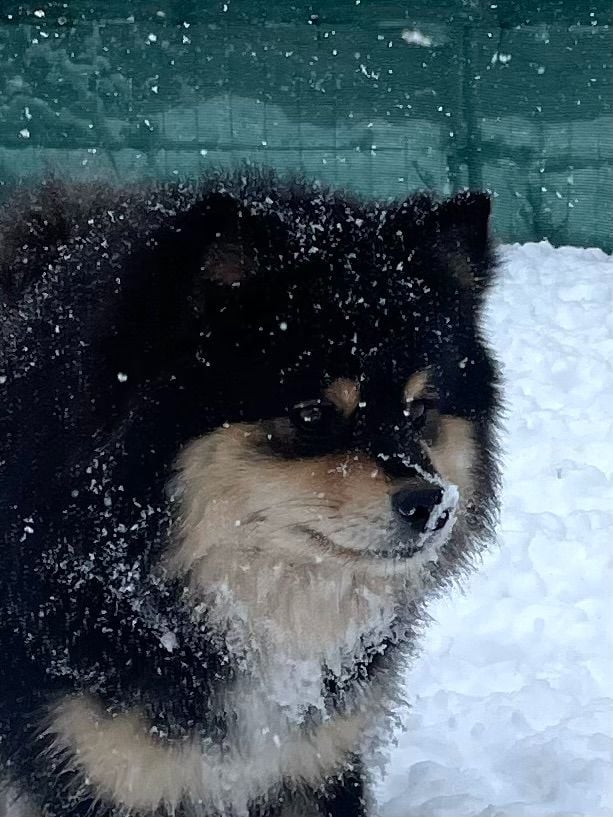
(125,763)
(418,386)
(454,454)
(345,394)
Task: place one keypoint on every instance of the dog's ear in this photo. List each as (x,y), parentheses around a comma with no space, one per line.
(462,237)
(450,236)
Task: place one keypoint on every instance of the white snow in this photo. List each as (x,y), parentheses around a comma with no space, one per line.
(414,37)
(169,641)
(511,708)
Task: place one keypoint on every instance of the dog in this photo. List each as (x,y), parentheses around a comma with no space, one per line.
(248,429)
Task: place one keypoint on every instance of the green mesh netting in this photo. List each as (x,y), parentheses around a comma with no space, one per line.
(383,97)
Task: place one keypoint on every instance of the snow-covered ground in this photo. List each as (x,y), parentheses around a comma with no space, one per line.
(511,708)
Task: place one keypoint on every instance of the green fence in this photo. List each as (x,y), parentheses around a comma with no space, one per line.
(382,97)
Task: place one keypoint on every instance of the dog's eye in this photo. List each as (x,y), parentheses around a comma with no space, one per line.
(418,411)
(317,416)
(311,428)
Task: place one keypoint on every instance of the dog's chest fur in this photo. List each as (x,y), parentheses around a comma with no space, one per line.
(267,742)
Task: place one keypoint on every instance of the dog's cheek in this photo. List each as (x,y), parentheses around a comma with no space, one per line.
(454,454)
(237,503)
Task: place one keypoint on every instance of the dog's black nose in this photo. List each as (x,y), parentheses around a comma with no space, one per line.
(421,509)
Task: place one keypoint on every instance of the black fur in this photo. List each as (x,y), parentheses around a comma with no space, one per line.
(134,321)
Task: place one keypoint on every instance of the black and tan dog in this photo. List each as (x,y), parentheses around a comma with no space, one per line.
(247,430)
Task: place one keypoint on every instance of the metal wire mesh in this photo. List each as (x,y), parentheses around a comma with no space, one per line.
(365,95)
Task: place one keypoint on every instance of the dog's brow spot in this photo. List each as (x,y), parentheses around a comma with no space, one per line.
(345,394)
(418,386)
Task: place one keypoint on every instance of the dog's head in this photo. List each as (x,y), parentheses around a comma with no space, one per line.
(357,399)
